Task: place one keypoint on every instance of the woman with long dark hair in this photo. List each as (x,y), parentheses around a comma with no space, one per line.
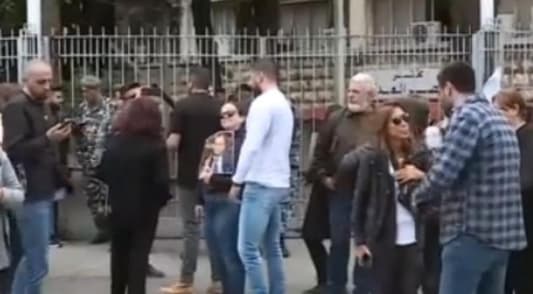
(520,267)
(134,166)
(385,226)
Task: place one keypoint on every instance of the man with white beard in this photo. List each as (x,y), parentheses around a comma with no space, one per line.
(346,129)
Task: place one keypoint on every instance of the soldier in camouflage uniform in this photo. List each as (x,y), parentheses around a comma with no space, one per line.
(92,112)
(287,206)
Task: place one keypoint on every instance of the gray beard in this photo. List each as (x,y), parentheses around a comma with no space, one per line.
(356,108)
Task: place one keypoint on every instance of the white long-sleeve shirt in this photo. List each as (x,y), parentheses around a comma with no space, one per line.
(264,157)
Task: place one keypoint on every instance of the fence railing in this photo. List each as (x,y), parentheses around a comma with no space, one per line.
(314,68)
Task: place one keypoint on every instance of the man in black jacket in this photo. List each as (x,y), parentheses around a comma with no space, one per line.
(30,139)
(345,130)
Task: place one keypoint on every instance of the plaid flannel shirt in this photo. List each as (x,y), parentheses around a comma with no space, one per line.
(477,175)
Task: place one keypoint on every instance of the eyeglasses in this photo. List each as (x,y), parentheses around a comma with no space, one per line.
(227,114)
(403,118)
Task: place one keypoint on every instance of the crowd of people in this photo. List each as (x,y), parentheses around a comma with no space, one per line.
(433,205)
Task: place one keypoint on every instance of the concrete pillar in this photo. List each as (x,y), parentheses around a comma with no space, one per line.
(360,18)
(34,16)
(486,12)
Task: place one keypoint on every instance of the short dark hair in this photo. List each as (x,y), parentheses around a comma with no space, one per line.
(124,89)
(201,78)
(140,116)
(460,74)
(266,67)
(245,87)
(56,88)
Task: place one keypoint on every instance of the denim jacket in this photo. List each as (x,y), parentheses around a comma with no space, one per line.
(12,198)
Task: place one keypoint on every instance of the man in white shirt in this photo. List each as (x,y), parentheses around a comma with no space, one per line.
(263,171)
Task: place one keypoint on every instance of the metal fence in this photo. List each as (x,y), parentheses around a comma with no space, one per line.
(512,51)
(314,68)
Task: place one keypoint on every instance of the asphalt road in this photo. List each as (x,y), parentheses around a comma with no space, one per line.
(84,269)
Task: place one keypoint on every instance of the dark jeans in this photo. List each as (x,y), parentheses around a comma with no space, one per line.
(432,263)
(222,228)
(397,269)
(4,281)
(470,266)
(54,228)
(130,247)
(319,257)
(340,210)
(520,272)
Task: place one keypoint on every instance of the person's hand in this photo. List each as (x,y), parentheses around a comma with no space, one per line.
(361,253)
(409,173)
(329,183)
(59,132)
(199,212)
(206,174)
(173,142)
(234,193)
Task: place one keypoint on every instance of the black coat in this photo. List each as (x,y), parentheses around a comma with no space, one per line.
(135,168)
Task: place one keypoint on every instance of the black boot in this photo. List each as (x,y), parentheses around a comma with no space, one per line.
(284,250)
(152,272)
(100,238)
(318,289)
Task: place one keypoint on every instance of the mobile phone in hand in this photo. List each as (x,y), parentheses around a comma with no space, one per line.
(365,261)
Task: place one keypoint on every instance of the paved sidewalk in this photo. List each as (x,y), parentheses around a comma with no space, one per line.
(84,269)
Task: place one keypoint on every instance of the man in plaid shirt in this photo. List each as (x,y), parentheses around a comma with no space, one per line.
(477,176)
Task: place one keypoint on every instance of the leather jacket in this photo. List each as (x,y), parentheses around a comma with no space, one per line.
(374,209)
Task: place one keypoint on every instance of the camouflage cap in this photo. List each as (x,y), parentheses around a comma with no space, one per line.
(91,81)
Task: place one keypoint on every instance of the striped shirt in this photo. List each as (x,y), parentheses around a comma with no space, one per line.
(477,174)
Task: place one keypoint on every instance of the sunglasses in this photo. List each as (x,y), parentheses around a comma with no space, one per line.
(227,114)
(398,120)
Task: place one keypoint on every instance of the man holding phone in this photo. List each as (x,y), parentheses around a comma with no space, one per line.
(30,137)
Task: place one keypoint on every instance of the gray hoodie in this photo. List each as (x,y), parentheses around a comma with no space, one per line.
(11,197)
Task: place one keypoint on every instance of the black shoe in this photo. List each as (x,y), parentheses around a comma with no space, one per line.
(154,273)
(318,289)
(284,250)
(100,238)
(56,242)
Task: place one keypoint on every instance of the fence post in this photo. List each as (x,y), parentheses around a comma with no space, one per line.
(262,46)
(478,58)
(340,58)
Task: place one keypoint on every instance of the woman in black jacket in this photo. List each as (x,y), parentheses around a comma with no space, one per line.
(385,227)
(134,167)
(520,267)
(222,213)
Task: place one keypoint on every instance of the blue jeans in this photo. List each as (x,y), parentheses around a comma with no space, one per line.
(260,223)
(221,231)
(469,266)
(34,226)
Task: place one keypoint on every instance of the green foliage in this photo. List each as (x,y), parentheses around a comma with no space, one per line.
(12,13)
